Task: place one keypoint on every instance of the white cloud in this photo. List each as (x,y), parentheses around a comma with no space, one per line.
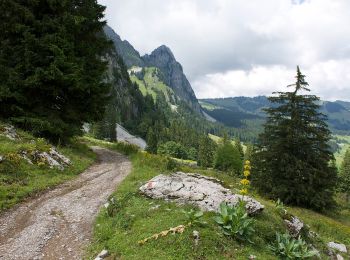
(263,80)
(256,43)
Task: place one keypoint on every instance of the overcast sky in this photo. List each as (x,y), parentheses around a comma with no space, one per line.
(244,47)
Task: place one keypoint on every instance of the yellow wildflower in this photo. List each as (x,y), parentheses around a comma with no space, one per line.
(247,167)
(246,173)
(243,191)
(245,182)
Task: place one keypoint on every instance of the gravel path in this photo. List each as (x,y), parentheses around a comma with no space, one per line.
(58,224)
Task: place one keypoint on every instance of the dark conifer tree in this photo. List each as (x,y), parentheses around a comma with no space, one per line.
(344,181)
(239,147)
(51,77)
(206,151)
(152,141)
(293,156)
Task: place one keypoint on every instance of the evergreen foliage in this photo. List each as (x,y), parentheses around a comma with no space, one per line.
(152,142)
(206,151)
(51,71)
(345,175)
(239,147)
(293,156)
(173,149)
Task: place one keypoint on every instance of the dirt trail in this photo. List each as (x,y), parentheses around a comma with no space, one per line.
(58,224)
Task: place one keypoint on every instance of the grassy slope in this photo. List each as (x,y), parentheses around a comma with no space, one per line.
(24,179)
(208,106)
(151,84)
(217,139)
(136,220)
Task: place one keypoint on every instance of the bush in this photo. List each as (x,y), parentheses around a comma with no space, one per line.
(173,149)
(228,158)
(235,221)
(286,247)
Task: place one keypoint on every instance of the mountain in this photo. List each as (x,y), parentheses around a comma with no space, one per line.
(130,56)
(170,71)
(248,112)
(125,102)
(174,77)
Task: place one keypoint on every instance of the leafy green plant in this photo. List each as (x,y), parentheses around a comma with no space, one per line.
(235,221)
(114,204)
(281,209)
(194,218)
(286,247)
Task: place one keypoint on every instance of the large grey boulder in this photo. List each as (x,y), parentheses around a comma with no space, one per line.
(205,192)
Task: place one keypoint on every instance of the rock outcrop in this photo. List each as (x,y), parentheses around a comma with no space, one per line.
(10,132)
(205,192)
(294,226)
(52,158)
(131,57)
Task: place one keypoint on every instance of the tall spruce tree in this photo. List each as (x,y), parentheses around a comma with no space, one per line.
(344,180)
(239,147)
(206,151)
(293,158)
(51,78)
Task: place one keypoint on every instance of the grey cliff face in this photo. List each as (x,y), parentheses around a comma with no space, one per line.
(174,77)
(131,57)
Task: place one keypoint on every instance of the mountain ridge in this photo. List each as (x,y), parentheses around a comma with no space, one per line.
(162,58)
(241,110)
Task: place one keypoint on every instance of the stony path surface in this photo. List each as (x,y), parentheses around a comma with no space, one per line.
(58,224)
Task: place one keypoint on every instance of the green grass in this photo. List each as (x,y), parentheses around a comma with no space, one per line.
(21,180)
(151,84)
(136,219)
(208,106)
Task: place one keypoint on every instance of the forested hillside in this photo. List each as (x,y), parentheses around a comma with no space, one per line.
(248,112)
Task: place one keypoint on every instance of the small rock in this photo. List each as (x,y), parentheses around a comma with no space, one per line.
(154,207)
(295,225)
(59,157)
(339,257)
(1,158)
(336,246)
(196,237)
(252,257)
(103,254)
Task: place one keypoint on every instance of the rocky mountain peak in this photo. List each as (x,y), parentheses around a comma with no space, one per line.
(128,53)
(161,58)
(163,51)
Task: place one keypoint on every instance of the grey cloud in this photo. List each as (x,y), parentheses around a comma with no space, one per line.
(216,36)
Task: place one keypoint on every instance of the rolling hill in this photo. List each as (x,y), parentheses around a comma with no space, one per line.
(248,112)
